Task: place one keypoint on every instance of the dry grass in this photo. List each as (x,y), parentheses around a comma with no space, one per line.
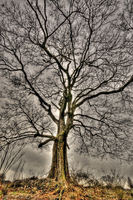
(45,189)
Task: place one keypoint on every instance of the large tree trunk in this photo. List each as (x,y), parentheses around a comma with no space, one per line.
(59,168)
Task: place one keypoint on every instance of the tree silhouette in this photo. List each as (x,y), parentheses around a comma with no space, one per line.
(72,60)
(11,155)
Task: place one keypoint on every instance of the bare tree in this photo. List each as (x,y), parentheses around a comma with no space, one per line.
(11,155)
(71,59)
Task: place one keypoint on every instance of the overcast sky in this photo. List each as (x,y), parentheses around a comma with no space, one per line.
(37,163)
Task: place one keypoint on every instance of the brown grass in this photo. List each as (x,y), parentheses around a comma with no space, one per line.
(46,189)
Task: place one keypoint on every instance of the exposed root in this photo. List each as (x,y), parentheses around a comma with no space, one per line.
(61,194)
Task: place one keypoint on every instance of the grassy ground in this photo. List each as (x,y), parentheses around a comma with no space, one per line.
(44,189)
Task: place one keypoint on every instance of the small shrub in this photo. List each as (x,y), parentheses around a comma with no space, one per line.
(109,186)
(119,187)
(4,190)
(2,177)
(17,184)
(112,178)
(132,193)
(120,194)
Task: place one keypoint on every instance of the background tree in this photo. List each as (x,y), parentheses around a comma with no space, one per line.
(71,59)
(11,155)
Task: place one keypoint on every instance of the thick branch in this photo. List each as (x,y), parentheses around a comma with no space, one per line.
(120,89)
(45,142)
(44,136)
(83,94)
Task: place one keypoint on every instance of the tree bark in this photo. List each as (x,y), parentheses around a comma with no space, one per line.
(59,167)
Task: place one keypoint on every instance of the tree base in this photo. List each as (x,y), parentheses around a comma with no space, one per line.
(61,189)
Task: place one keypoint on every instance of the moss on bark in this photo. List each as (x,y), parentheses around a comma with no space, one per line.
(59,167)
